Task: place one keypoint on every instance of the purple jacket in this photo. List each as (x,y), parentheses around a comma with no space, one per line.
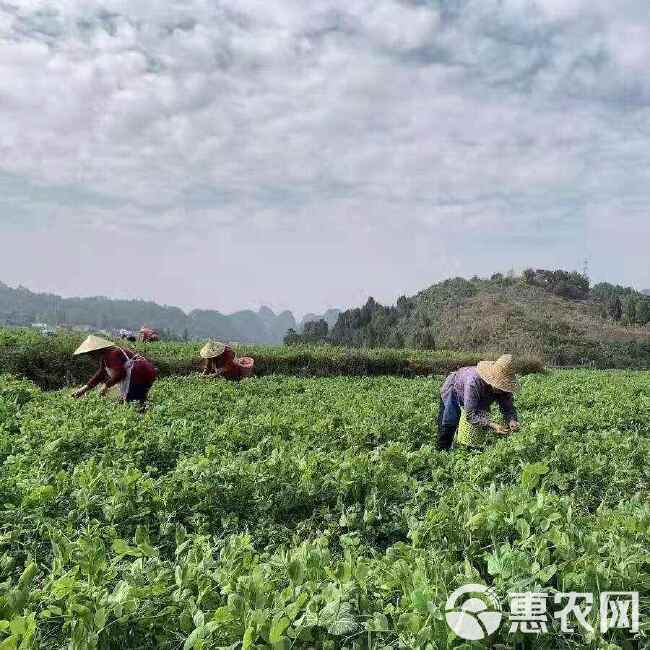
(476,396)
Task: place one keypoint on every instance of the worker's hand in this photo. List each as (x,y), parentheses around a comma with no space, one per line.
(500,429)
(81,391)
(514,425)
(104,390)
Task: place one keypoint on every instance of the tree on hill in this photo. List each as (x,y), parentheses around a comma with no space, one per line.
(314,332)
(425,339)
(606,292)
(292,337)
(615,308)
(330,316)
(643,311)
(372,325)
(405,305)
(623,304)
(629,310)
(565,284)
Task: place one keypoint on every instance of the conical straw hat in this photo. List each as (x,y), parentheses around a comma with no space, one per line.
(212,349)
(500,374)
(92,344)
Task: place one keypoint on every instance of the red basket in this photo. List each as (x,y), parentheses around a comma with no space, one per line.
(247,365)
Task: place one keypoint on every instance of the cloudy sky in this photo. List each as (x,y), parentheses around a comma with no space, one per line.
(230,153)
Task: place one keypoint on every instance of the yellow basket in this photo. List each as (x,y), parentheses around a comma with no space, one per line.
(470,435)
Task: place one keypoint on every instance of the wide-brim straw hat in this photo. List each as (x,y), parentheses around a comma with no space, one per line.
(92,344)
(500,374)
(212,350)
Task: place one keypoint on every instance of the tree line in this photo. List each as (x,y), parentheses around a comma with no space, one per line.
(413,321)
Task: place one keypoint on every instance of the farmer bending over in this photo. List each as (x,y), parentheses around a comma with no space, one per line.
(132,372)
(475,389)
(219,360)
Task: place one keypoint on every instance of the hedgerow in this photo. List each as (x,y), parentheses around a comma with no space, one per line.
(49,361)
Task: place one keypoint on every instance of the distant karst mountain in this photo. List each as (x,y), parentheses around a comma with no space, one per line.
(20,306)
(330,317)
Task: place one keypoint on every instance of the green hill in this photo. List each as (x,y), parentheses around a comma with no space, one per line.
(553,314)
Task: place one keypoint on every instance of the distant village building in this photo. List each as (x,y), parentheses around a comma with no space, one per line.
(44,329)
(127,335)
(80,328)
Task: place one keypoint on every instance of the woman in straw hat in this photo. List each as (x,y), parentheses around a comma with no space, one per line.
(219,360)
(475,389)
(117,365)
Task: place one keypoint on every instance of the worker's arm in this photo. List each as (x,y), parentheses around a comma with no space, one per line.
(96,379)
(220,364)
(475,416)
(508,410)
(212,369)
(117,377)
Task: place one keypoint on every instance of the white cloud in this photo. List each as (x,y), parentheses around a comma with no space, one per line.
(397,26)
(290,118)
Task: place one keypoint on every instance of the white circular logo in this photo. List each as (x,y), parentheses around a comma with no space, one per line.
(478,616)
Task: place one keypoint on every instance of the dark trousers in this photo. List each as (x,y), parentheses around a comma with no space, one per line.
(139,393)
(448,419)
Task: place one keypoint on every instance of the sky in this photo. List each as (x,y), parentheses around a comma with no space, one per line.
(226,154)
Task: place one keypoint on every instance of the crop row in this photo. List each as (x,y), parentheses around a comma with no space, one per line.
(310,513)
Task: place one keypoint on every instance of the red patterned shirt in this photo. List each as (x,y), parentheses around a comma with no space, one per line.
(113,367)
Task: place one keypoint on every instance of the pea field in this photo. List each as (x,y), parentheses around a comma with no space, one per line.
(286,512)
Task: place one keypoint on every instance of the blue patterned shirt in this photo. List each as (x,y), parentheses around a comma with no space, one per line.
(476,396)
